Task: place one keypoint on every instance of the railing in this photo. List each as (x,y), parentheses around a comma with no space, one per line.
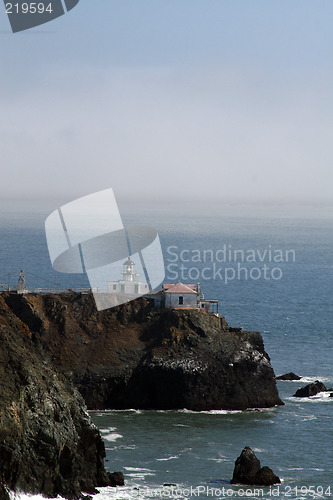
(12,288)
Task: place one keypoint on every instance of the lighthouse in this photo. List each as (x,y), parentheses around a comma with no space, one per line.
(129,285)
(128,271)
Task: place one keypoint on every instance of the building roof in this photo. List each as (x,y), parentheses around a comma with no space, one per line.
(179,288)
(128,262)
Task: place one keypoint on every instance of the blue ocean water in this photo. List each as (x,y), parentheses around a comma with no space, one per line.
(291,308)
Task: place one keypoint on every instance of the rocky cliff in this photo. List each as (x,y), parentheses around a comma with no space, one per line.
(134,357)
(48,443)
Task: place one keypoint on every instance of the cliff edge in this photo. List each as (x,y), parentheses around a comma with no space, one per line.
(132,356)
(48,443)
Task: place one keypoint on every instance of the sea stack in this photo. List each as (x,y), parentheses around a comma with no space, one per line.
(248,471)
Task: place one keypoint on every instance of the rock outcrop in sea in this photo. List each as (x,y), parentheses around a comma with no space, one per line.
(48,443)
(310,390)
(249,471)
(289,376)
(132,356)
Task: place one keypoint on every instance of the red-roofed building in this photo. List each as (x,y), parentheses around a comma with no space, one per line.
(175,295)
(182,296)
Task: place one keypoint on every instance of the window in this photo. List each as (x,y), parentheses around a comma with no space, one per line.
(115,287)
(136,288)
(181,301)
(122,288)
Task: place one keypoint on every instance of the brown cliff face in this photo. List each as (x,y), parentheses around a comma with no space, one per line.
(134,357)
(48,443)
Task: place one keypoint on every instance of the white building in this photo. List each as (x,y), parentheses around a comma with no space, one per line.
(130,284)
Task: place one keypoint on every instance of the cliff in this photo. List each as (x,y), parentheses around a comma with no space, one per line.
(134,357)
(48,443)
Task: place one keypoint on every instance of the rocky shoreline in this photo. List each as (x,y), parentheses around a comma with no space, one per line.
(57,345)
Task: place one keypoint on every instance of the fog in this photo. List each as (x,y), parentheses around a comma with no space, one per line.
(202,128)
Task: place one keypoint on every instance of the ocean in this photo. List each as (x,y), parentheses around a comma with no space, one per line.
(271,268)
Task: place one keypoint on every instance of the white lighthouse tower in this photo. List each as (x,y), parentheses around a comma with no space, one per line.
(128,271)
(130,284)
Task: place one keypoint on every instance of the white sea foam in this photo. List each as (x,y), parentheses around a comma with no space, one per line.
(133,410)
(219,460)
(261,410)
(210,412)
(107,430)
(310,379)
(136,491)
(137,469)
(110,411)
(123,492)
(173,457)
(113,436)
(126,447)
(138,472)
(308,418)
(24,496)
(321,397)
(105,493)
(139,475)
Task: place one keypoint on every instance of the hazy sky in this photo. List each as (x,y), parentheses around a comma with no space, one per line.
(171,99)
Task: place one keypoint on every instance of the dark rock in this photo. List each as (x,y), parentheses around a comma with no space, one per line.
(310,390)
(132,356)
(48,443)
(289,376)
(246,467)
(3,492)
(248,471)
(116,478)
(266,477)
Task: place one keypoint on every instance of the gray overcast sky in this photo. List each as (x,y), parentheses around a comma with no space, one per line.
(171,99)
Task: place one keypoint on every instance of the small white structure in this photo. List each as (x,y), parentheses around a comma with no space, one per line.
(130,284)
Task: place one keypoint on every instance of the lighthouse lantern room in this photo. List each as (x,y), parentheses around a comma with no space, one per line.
(128,271)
